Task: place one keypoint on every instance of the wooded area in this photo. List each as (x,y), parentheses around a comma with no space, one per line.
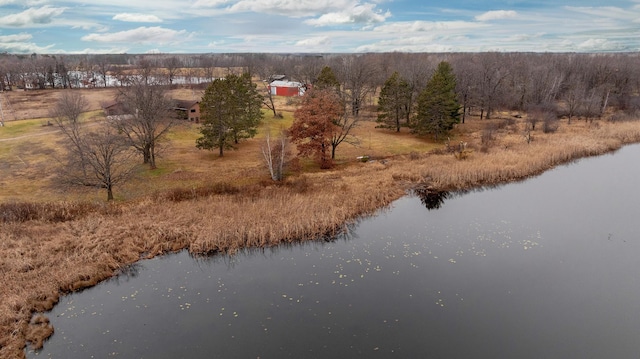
(586,84)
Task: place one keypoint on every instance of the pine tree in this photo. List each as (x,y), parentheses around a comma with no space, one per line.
(438,109)
(231,111)
(327,80)
(394,102)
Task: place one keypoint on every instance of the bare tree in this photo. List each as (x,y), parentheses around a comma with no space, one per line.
(173,66)
(102,66)
(148,117)
(573,96)
(96,156)
(306,69)
(417,70)
(275,152)
(265,67)
(465,84)
(209,63)
(493,72)
(356,74)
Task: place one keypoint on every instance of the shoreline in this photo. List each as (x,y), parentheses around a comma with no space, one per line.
(47,259)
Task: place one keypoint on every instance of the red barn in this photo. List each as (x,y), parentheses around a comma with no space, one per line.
(286,88)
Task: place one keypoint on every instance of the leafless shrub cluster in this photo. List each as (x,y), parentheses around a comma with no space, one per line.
(185,194)
(18,212)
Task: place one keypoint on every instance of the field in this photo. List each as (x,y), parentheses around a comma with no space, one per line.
(29,151)
(59,240)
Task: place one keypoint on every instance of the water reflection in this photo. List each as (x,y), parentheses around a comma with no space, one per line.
(430,198)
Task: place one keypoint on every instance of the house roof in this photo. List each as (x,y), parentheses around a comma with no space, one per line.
(286,84)
(185,104)
(277,77)
(110,104)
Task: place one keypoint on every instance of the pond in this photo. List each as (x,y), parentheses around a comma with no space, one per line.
(546,268)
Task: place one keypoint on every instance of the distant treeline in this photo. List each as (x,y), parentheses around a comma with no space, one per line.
(572,84)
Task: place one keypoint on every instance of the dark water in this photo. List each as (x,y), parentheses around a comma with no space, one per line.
(547,268)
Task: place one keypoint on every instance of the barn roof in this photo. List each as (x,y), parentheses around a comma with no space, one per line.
(286,84)
(185,104)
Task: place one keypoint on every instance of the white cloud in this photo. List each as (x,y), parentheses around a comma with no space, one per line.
(24,2)
(127,17)
(314,42)
(23,48)
(518,38)
(359,14)
(140,35)
(31,16)
(111,50)
(210,3)
(599,45)
(294,8)
(15,38)
(496,15)
(416,44)
(606,12)
(216,44)
(407,27)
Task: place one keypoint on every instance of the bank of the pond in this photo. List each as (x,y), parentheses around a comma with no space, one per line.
(44,259)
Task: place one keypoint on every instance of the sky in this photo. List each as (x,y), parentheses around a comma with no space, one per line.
(317,26)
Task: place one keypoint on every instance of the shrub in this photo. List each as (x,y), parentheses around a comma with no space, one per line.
(51,212)
(550,122)
(185,194)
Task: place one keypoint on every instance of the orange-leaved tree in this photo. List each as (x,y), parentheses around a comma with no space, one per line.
(316,124)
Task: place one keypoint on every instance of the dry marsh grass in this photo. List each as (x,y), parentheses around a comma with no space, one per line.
(208,204)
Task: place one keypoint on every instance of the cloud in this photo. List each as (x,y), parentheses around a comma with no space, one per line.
(293,8)
(405,27)
(599,45)
(19,44)
(414,44)
(15,38)
(32,16)
(156,34)
(359,14)
(314,42)
(496,15)
(518,38)
(112,50)
(127,17)
(24,2)
(210,3)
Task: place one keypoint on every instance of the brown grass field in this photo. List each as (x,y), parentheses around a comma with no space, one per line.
(55,241)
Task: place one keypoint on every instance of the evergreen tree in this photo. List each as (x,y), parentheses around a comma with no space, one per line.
(231,111)
(327,80)
(394,102)
(438,109)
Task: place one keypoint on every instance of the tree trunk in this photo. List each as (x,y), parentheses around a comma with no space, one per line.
(109,193)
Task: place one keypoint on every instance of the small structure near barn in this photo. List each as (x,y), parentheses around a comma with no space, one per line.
(287,88)
(188,110)
(113,108)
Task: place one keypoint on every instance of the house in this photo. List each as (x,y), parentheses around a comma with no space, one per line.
(113,108)
(287,88)
(188,109)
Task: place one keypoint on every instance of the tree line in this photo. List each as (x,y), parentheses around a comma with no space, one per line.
(428,93)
